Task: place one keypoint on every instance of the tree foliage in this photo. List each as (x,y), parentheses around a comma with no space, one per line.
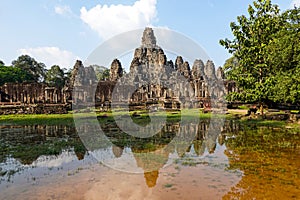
(12,75)
(35,69)
(102,73)
(27,69)
(266,47)
(230,64)
(55,77)
(284,56)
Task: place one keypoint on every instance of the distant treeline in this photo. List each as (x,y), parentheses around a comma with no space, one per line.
(27,69)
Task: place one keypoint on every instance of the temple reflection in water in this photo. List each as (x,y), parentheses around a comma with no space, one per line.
(153,153)
(147,154)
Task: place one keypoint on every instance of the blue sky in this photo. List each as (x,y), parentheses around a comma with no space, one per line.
(61,31)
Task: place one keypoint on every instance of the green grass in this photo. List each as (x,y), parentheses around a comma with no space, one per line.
(243,107)
(56,119)
(33,119)
(139,117)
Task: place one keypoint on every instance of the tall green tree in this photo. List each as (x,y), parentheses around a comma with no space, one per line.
(35,69)
(55,77)
(13,75)
(2,63)
(230,63)
(252,35)
(284,56)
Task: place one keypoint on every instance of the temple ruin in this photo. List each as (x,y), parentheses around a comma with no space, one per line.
(152,79)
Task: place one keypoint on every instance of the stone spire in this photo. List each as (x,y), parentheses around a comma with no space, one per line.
(116,70)
(178,62)
(77,71)
(82,76)
(182,67)
(198,69)
(148,39)
(209,70)
(220,73)
(149,58)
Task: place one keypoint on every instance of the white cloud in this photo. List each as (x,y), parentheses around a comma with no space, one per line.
(114,19)
(295,3)
(55,161)
(51,56)
(63,10)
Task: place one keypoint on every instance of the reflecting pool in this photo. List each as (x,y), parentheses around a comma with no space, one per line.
(179,162)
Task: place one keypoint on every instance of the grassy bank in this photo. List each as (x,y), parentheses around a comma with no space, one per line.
(33,119)
(68,119)
(239,115)
(139,117)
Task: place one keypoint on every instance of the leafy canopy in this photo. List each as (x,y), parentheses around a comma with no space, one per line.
(265,52)
(35,69)
(55,77)
(12,75)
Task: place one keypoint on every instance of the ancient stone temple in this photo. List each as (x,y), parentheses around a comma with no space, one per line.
(152,79)
(31,98)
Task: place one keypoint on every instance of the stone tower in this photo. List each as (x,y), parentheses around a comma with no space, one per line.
(116,70)
(148,39)
(149,57)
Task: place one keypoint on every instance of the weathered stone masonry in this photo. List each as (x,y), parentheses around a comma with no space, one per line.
(148,64)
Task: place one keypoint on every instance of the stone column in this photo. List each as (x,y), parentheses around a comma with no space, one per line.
(50,96)
(55,96)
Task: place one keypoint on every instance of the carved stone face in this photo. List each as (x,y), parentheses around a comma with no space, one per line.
(148,39)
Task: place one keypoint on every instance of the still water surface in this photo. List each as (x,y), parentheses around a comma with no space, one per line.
(239,162)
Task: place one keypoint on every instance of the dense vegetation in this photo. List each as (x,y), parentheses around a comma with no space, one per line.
(12,75)
(265,50)
(27,69)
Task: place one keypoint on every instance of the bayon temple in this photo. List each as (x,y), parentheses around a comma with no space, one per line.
(151,80)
